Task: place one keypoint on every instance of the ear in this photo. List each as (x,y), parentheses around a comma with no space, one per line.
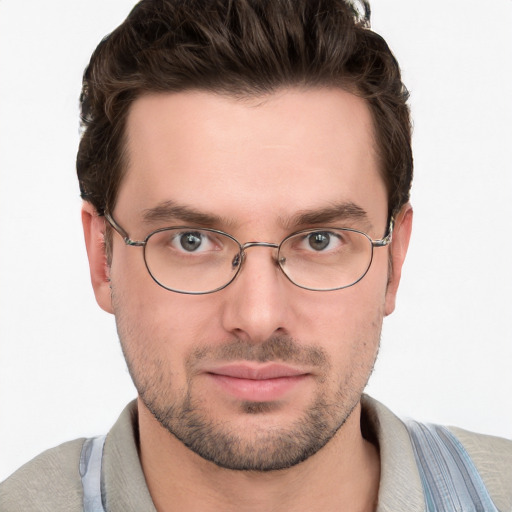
(94,233)
(398,248)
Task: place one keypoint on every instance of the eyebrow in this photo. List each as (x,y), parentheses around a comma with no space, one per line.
(169,211)
(337,212)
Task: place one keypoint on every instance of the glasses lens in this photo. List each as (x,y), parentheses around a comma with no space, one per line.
(326,259)
(192,260)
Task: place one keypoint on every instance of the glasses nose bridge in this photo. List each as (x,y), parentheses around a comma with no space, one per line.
(248,245)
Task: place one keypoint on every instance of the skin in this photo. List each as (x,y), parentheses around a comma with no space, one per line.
(254,164)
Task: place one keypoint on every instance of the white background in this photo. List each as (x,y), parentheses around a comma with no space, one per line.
(446,352)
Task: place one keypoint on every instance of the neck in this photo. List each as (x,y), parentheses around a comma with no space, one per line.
(343,475)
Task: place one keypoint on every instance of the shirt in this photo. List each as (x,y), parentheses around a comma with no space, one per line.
(51,482)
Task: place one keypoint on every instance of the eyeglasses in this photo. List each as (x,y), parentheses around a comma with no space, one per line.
(198,261)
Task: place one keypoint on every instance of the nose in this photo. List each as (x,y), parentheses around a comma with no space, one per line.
(257,303)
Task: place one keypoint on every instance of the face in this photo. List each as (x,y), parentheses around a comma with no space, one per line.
(261,374)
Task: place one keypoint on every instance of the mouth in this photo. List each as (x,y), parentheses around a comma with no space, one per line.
(257,383)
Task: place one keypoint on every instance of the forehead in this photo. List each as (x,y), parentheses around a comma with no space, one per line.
(252,158)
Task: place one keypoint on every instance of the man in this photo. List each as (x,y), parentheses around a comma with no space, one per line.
(245,169)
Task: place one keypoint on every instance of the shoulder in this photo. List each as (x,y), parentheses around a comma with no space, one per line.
(400,478)
(50,482)
(492,457)
(484,448)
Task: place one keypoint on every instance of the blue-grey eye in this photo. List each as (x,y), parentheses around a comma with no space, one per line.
(319,240)
(190,241)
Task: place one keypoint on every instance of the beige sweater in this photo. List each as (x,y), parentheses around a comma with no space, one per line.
(51,482)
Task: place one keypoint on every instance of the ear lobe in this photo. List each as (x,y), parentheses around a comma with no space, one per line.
(94,233)
(398,248)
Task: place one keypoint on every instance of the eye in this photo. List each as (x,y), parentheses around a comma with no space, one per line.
(319,241)
(322,240)
(192,241)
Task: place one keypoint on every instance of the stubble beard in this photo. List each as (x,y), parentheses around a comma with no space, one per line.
(261,449)
(187,417)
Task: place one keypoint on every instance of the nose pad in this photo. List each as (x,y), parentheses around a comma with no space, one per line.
(236,261)
(259,264)
(241,256)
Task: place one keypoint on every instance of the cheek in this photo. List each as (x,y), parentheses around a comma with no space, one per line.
(163,324)
(347,313)
(348,322)
(155,337)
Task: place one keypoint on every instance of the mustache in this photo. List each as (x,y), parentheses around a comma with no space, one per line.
(277,348)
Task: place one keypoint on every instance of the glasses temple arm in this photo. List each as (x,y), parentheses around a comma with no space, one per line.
(127,240)
(389,235)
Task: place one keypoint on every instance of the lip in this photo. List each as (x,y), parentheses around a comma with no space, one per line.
(257,383)
(259,372)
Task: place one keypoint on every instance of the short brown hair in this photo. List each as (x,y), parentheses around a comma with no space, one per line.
(239,48)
